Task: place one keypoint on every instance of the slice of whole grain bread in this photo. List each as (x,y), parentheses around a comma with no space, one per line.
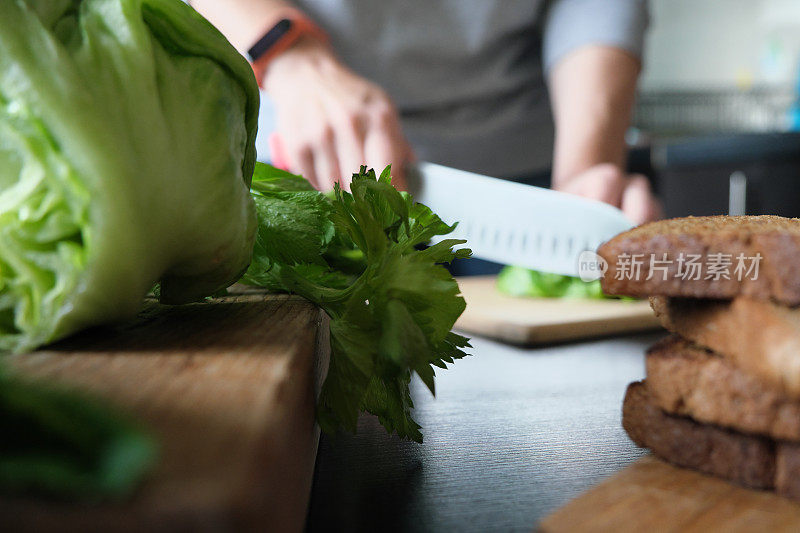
(662,250)
(684,379)
(762,338)
(745,459)
(748,460)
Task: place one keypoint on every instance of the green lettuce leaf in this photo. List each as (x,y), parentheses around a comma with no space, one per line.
(520,281)
(358,255)
(127,134)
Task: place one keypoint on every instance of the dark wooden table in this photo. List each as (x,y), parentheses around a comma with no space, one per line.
(512,435)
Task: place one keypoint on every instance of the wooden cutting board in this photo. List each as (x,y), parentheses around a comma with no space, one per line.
(228,386)
(651,495)
(529,321)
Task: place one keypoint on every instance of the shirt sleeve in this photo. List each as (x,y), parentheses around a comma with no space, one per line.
(571,24)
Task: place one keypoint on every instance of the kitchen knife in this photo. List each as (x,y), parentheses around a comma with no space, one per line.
(514,223)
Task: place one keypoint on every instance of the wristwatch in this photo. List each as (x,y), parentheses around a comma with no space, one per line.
(292,26)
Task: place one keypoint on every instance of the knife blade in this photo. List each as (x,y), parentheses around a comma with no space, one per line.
(513,223)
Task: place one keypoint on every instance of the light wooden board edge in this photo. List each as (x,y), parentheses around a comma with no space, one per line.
(525,335)
(482,299)
(652,495)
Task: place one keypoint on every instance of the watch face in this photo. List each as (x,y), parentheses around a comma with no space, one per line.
(269,39)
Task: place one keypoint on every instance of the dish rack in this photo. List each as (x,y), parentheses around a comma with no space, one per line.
(690,112)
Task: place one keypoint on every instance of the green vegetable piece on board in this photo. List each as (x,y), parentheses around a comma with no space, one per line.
(519,281)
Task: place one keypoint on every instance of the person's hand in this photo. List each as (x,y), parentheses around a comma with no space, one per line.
(607,183)
(331,121)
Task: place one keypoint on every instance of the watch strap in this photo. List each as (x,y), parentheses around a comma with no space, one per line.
(291,26)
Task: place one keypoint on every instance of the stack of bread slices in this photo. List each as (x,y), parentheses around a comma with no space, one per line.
(722,394)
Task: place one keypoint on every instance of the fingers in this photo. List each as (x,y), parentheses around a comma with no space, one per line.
(332,121)
(607,183)
(381,150)
(604,182)
(310,151)
(301,161)
(637,200)
(384,143)
(340,146)
(350,136)
(278,151)
(293,150)
(399,171)
(326,161)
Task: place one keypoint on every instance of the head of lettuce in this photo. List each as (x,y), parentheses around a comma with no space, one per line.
(126,152)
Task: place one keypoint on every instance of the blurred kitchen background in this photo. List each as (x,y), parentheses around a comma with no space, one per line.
(717,123)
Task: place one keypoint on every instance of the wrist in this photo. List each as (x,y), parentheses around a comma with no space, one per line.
(292,31)
(306,53)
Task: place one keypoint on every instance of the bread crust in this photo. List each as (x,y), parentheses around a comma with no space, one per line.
(687,380)
(760,337)
(776,239)
(748,460)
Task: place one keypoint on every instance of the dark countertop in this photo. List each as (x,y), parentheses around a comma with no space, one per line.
(513,434)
